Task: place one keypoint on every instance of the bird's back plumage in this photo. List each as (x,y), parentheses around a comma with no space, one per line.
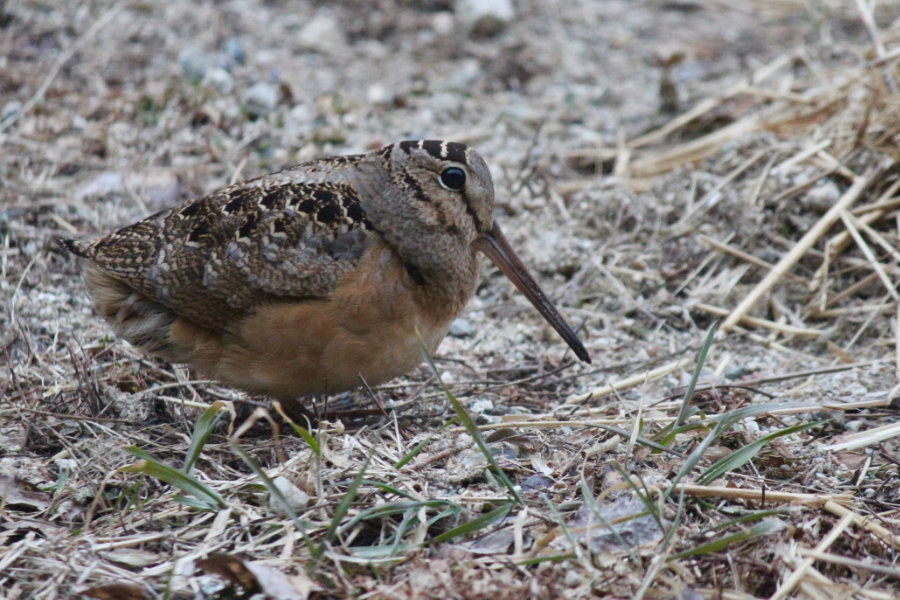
(216,258)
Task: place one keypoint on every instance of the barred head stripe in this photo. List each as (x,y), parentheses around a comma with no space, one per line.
(408,145)
(433,147)
(457,152)
(439,149)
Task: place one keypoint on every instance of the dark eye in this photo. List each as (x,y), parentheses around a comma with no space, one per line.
(453,178)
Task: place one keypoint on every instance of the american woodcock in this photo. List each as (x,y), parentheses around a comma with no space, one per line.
(313,279)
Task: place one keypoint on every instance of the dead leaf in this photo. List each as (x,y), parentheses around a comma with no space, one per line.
(256,578)
(232,569)
(21,495)
(131,557)
(850,460)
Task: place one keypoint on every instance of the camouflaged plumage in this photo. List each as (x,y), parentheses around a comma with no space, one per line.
(311,279)
(267,239)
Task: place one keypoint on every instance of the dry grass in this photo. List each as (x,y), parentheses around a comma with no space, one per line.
(770,202)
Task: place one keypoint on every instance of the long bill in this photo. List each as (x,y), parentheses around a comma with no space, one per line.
(496,248)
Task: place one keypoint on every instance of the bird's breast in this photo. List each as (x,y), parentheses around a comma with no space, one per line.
(372,328)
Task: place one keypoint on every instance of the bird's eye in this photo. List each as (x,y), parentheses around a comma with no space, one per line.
(453,179)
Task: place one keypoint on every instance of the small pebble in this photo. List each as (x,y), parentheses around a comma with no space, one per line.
(234,49)
(481,405)
(537,481)
(159,187)
(10,109)
(295,497)
(443,23)
(104,183)
(461,328)
(751,425)
(485,18)
(260,99)
(322,33)
(463,77)
(822,196)
(572,579)
(378,94)
(66,464)
(195,63)
(219,79)
(738,372)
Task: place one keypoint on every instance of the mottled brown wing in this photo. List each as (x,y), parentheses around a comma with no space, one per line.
(221,255)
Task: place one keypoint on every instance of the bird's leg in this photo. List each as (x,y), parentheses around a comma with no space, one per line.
(373,396)
(302,413)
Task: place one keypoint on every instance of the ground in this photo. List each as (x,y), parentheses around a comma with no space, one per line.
(658,165)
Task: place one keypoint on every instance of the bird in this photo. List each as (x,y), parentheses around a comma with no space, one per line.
(313,280)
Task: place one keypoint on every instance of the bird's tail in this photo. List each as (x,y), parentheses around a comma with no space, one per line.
(74,246)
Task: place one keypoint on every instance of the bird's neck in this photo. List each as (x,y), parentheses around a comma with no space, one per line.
(444,287)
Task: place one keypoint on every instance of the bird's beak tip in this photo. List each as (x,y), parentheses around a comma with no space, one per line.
(495,246)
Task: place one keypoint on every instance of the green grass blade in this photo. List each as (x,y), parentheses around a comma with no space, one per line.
(300,430)
(576,549)
(274,492)
(668,433)
(339,512)
(410,519)
(174,477)
(640,439)
(476,524)
(595,509)
(763,528)
(421,445)
(383,554)
(413,453)
(742,455)
(192,502)
(643,495)
(473,430)
(754,516)
(202,429)
(670,534)
(387,488)
(722,423)
(395,508)
(701,358)
(554,558)
(450,511)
